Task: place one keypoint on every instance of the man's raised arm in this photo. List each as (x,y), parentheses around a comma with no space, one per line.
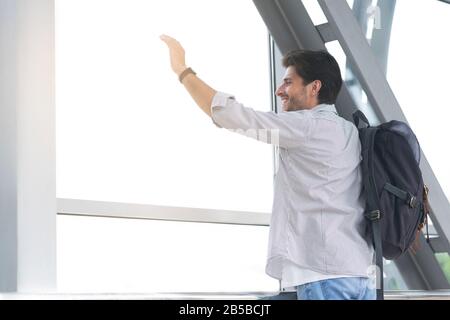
(199,90)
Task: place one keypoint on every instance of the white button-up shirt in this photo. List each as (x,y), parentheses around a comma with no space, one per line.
(317,218)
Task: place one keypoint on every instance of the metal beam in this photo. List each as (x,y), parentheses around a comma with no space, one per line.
(379,44)
(381,37)
(284,19)
(326,32)
(365,65)
(145,211)
(438,245)
(420,271)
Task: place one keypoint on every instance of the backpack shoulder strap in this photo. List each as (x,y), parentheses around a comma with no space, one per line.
(359,115)
(372,212)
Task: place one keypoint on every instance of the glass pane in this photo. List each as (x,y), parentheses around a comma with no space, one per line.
(393,279)
(418,66)
(315,12)
(127,131)
(127,255)
(351,82)
(444,262)
(368,15)
(334,48)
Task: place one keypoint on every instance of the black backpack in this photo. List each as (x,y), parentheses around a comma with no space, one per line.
(396,196)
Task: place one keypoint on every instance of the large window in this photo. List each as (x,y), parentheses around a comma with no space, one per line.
(142,256)
(127,131)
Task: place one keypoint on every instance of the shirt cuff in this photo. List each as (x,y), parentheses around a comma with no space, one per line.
(220,99)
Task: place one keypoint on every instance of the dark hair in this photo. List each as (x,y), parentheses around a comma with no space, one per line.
(317,65)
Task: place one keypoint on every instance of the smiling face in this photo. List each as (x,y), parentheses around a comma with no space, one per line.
(295,94)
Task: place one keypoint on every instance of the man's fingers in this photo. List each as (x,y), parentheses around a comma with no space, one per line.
(168,40)
(164,38)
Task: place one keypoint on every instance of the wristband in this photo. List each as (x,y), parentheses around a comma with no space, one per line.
(185,73)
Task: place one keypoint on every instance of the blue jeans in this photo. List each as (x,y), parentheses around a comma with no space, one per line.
(350,288)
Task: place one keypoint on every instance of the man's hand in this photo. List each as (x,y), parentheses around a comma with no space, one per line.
(177,55)
(199,90)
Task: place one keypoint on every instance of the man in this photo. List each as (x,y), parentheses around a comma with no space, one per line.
(317,241)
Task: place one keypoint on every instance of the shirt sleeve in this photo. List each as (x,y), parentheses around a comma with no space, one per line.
(287,129)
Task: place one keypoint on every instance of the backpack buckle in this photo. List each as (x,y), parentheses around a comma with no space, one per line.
(411,200)
(373,215)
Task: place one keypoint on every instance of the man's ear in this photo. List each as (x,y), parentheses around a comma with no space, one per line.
(315,88)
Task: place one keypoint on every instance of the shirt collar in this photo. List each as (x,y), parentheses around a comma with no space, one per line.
(323,107)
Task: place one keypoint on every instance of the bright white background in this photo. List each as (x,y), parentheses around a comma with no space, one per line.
(127,131)
(101,255)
